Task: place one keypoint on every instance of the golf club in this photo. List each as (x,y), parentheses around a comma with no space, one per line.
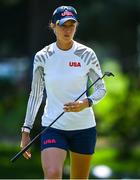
(38,135)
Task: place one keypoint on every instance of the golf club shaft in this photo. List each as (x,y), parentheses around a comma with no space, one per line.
(38,135)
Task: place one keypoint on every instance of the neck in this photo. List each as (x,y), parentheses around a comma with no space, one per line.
(64,45)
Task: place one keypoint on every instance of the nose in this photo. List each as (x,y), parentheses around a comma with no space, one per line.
(67,29)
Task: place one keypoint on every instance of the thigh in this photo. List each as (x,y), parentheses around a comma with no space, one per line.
(52,160)
(80,165)
(53,152)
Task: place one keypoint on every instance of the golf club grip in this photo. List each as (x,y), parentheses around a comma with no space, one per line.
(24,149)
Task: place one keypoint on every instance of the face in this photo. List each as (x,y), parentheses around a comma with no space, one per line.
(66,31)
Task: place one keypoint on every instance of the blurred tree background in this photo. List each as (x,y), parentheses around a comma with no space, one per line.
(112,29)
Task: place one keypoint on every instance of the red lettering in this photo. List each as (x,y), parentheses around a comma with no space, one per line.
(49,141)
(70,63)
(67,13)
(74,64)
(78,64)
(53,141)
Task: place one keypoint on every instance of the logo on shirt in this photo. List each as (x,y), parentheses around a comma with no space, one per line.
(74,64)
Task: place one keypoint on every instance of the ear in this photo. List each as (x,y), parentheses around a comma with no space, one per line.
(77,24)
(52,26)
(54,31)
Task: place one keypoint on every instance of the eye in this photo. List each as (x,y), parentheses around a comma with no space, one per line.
(64,25)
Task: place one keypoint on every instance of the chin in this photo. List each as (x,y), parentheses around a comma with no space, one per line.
(67,38)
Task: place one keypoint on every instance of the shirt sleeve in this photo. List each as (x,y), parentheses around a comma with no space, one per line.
(36,93)
(95,73)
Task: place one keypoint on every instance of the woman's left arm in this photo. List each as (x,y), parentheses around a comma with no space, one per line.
(99,87)
(95,73)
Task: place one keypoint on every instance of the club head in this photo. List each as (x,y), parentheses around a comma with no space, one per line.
(109,74)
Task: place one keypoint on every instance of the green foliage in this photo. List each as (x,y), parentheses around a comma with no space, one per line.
(12,112)
(118,114)
(107,110)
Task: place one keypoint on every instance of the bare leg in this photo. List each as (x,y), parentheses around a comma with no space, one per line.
(52,162)
(80,165)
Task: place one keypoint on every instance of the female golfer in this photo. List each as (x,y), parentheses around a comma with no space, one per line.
(63,68)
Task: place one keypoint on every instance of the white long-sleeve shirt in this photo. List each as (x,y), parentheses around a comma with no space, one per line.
(64,74)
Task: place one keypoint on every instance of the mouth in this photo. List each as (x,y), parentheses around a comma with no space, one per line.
(66,35)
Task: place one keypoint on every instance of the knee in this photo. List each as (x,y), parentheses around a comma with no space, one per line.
(53,173)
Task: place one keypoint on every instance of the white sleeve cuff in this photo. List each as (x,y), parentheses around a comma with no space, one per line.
(25,129)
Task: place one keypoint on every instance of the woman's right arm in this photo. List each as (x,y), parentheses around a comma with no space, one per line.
(34,103)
